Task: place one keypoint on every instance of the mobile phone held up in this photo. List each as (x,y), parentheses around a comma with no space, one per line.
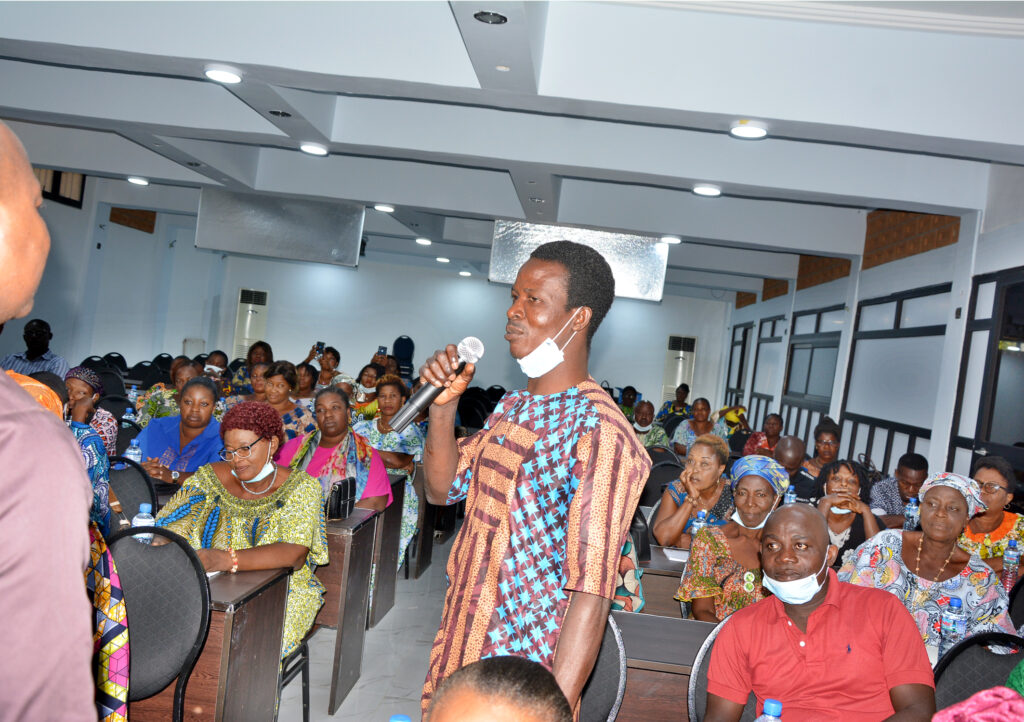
(382,350)
(320,345)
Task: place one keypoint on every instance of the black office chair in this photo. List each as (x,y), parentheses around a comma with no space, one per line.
(670,425)
(650,523)
(163,361)
(1017,604)
(132,486)
(116,405)
(661,475)
(140,370)
(167,599)
(602,695)
(95,363)
(971,667)
(236,364)
(697,695)
(472,411)
(495,392)
(293,665)
(126,431)
(640,532)
(113,382)
(117,361)
(661,454)
(403,350)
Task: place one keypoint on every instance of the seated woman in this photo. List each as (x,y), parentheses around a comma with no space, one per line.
(143,398)
(844,495)
(258,382)
(723,573)
(925,568)
(763,442)
(333,453)
(988,532)
(173,447)
(688,431)
(364,398)
(826,446)
(701,487)
(165,403)
(94,455)
(247,513)
(84,386)
(675,407)
(306,374)
(259,352)
(397,450)
(281,382)
(215,368)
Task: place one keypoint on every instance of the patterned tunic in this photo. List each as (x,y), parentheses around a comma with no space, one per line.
(878,563)
(104,424)
(685,435)
(655,437)
(211,517)
(298,422)
(550,483)
(94,457)
(668,409)
(712,572)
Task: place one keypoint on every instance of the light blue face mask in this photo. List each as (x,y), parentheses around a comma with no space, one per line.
(736,516)
(266,471)
(798,591)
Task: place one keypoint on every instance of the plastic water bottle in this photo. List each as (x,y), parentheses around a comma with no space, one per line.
(144,518)
(129,414)
(952,625)
(133,394)
(1011,562)
(911,514)
(772,711)
(134,452)
(699,523)
(790,496)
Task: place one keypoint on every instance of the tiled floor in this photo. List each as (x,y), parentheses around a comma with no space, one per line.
(394,659)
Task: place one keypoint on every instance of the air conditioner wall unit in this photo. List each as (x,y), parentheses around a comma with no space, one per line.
(250,320)
(680,357)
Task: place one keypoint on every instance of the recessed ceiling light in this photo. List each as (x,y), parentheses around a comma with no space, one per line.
(671,240)
(384,208)
(138,180)
(748,129)
(442,259)
(530,182)
(193,164)
(490,18)
(280,113)
(536,200)
(423,241)
(313,148)
(502,68)
(465,274)
(706,189)
(223,74)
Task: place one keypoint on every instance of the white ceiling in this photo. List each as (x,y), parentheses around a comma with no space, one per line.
(607,116)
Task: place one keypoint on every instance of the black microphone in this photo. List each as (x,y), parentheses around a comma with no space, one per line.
(471,350)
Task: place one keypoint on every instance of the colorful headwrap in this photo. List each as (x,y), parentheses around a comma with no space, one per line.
(88,376)
(42,393)
(764,466)
(966,486)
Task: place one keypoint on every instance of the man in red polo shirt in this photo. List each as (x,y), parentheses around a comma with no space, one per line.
(825,649)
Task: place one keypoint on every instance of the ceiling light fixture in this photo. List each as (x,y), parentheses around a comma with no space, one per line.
(280,113)
(465,274)
(442,259)
(138,180)
(748,129)
(502,68)
(534,199)
(490,18)
(671,240)
(707,190)
(423,241)
(193,164)
(313,148)
(384,208)
(223,74)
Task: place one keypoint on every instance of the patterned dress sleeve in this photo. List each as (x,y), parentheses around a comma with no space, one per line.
(860,570)
(301,520)
(469,447)
(683,435)
(610,469)
(698,580)
(663,412)
(97,467)
(721,429)
(989,611)
(184,511)
(755,442)
(106,426)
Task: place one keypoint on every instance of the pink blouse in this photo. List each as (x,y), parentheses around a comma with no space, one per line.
(377,483)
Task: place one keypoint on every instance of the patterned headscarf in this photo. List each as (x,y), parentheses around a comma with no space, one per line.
(763,466)
(88,376)
(966,486)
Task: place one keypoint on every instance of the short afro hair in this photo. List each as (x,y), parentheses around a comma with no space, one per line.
(255,416)
(590,281)
(392,380)
(827,426)
(716,444)
(517,681)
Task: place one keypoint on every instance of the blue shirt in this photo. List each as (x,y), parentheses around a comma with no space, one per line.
(49,361)
(161,440)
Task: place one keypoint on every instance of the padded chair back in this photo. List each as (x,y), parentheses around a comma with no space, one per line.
(132,485)
(738,440)
(650,523)
(116,405)
(659,454)
(403,349)
(96,364)
(971,667)
(661,475)
(602,695)
(236,364)
(167,599)
(494,393)
(117,361)
(113,383)
(163,361)
(1017,604)
(638,529)
(127,431)
(697,696)
(473,410)
(670,425)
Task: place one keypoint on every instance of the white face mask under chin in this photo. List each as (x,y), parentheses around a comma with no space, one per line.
(266,471)
(547,355)
(798,591)
(736,518)
(643,429)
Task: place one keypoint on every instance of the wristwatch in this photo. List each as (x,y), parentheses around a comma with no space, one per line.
(174,476)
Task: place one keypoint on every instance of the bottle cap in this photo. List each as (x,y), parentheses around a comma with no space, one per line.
(773,707)
(135,442)
(147,508)
(400,718)
(955,603)
(702,514)
(1012,544)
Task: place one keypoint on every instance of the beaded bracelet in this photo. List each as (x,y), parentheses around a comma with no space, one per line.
(234,560)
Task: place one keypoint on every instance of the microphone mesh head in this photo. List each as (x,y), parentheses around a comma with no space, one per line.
(471,349)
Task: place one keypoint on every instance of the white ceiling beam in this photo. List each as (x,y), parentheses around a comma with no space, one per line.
(741,262)
(703,279)
(503,55)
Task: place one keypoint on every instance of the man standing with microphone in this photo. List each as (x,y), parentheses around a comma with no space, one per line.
(551,483)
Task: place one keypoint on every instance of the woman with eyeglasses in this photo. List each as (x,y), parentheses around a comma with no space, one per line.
(989,532)
(246,513)
(826,446)
(701,487)
(844,495)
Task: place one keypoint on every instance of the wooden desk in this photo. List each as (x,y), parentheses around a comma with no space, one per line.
(347,581)
(660,581)
(424,551)
(659,656)
(385,554)
(235,677)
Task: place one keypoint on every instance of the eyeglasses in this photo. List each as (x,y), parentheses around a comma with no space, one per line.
(991,487)
(242,452)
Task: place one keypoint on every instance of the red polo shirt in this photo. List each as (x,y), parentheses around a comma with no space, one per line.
(860,643)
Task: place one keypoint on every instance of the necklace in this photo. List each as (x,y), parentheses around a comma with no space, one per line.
(268,487)
(841,538)
(921,595)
